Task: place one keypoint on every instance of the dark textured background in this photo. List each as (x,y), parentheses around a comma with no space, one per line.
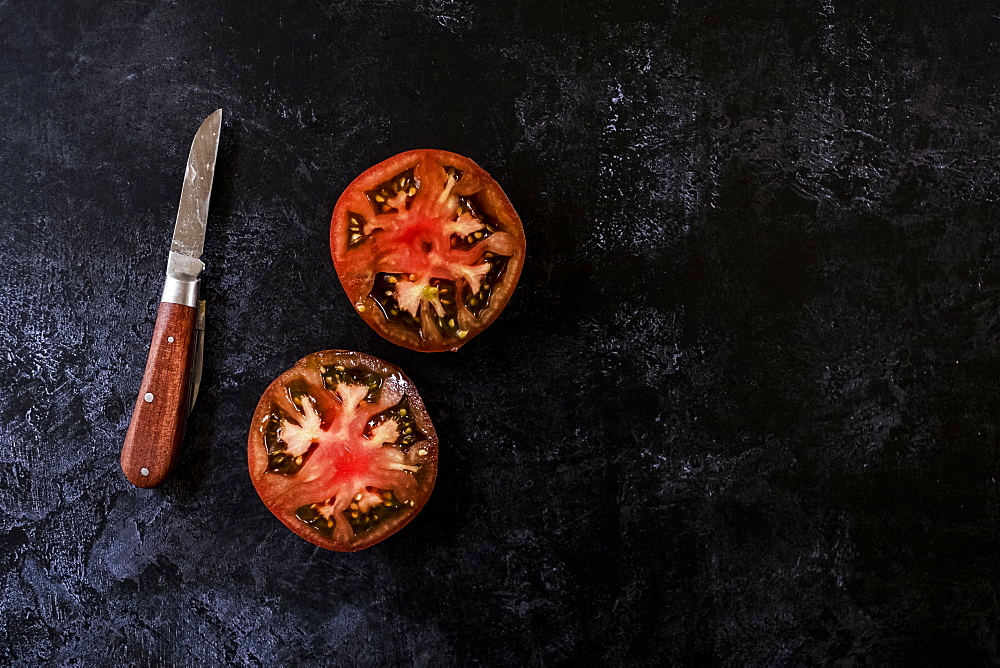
(742,408)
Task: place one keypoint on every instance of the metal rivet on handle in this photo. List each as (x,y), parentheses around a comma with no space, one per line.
(144,471)
(148,398)
(170,339)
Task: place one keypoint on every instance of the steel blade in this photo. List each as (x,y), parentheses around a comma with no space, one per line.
(199,356)
(192,212)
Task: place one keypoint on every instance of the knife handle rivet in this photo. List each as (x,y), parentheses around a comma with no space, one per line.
(170,339)
(144,471)
(148,397)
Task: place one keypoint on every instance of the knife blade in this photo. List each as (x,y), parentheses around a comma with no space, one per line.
(168,385)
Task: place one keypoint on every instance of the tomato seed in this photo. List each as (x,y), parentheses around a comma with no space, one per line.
(405,424)
(478,301)
(339,374)
(362,521)
(355,230)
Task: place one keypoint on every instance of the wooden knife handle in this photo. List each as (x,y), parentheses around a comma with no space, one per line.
(157,428)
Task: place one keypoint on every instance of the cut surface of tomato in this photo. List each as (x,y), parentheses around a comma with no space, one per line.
(428,248)
(341,450)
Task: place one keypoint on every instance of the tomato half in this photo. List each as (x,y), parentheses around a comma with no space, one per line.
(428,248)
(342,450)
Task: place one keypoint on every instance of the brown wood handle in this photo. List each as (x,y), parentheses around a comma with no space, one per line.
(157,428)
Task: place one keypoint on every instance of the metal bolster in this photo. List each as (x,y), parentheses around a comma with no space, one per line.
(180,291)
(181,286)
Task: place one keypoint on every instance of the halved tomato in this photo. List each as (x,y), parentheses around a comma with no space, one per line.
(342,450)
(428,248)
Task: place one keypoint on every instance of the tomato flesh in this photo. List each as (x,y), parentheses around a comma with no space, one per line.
(342,451)
(428,248)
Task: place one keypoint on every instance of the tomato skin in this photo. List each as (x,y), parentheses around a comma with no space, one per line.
(414,241)
(285,495)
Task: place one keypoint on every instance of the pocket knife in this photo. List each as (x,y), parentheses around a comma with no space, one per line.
(173,368)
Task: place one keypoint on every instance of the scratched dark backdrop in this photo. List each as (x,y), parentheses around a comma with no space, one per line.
(741,410)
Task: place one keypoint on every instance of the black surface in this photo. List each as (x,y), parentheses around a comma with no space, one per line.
(741,410)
